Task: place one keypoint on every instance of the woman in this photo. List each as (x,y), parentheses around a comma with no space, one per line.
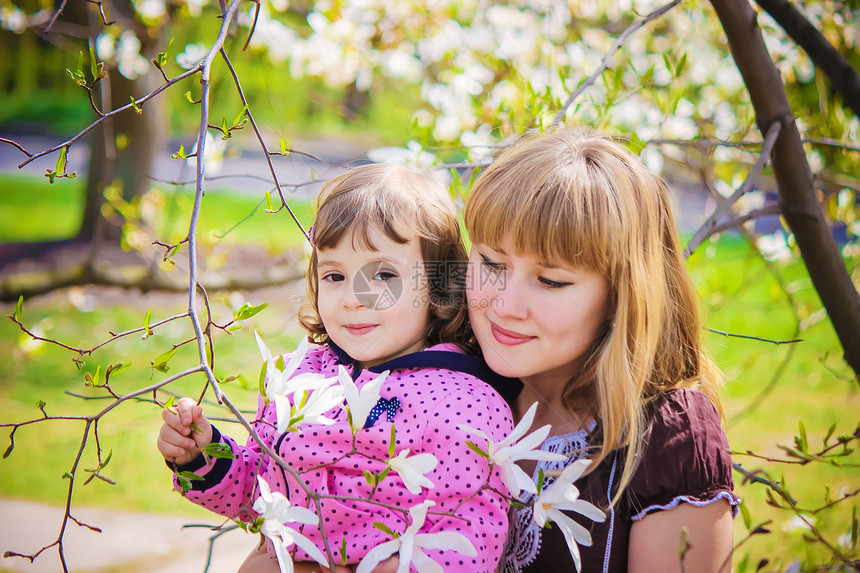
(578,289)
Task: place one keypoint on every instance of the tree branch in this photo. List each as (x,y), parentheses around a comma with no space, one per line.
(843,77)
(797,194)
(604,64)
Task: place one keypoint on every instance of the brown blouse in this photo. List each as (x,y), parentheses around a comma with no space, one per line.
(685,460)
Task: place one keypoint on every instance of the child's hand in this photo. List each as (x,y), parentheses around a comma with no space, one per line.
(178,441)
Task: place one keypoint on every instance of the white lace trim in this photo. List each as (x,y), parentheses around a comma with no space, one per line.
(676,501)
(524,536)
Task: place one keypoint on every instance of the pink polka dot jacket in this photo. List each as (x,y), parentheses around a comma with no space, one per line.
(426,395)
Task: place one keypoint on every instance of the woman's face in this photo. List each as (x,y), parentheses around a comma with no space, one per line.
(533,321)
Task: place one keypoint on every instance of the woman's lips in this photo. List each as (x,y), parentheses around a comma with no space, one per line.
(359,329)
(508,337)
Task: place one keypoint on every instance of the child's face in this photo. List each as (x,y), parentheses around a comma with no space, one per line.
(374,304)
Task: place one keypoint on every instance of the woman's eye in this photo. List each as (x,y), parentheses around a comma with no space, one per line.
(333,277)
(384,276)
(492,266)
(552,285)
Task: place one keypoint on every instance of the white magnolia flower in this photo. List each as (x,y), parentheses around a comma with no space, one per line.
(409,546)
(360,402)
(276,511)
(129,61)
(283,382)
(299,399)
(563,495)
(506,453)
(412,469)
(303,407)
(192,55)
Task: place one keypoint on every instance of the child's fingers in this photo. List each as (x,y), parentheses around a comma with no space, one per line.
(173,419)
(172,444)
(185,409)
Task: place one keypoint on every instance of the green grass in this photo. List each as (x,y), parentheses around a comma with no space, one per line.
(769,389)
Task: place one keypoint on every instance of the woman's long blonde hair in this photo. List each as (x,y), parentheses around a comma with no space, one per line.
(574,197)
(403,204)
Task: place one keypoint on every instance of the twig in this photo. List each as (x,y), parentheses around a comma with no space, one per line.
(17,145)
(262,143)
(706,230)
(604,64)
(138,102)
(53,19)
(748,337)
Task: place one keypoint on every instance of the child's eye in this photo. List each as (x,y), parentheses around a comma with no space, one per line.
(384,276)
(552,285)
(492,266)
(333,277)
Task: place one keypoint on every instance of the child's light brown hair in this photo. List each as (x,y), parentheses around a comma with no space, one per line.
(404,205)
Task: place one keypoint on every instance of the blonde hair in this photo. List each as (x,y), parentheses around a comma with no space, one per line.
(571,196)
(404,205)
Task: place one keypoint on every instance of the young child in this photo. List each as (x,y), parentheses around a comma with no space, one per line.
(386,293)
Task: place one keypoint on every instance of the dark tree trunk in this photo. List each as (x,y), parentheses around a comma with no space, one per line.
(797,195)
(123,148)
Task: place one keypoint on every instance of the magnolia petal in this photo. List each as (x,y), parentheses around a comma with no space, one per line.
(296,358)
(423,563)
(583,508)
(521,428)
(471,430)
(565,524)
(407,547)
(309,547)
(533,440)
(574,471)
(303,515)
(516,480)
(572,530)
(449,540)
(264,350)
(377,555)
(285,562)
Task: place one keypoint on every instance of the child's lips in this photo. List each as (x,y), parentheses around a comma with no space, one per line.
(359,329)
(508,337)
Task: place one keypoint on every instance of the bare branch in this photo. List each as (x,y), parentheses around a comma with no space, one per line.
(16,145)
(777,342)
(706,230)
(262,143)
(54,19)
(604,64)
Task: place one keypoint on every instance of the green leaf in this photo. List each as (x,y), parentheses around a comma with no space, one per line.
(146,319)
(240,118)
(116,368)
(745,513)
(61,161)
(107,460)
(19,308)
(283,146)
(370,477)
(191,476)
(804,445)
(246,311)
(169,403)
(343,551)
(391,442)
(162,56)
(475,448)
(225,129)
(184,483)
(137,109)
(270,206)
(829,433)
(81,64)
(384,474)
(218,450)
(94,66)
(94,381)
(189,97)
(179,154)
(385,529)
(67,475)
(540,480)
(162,360)
(681,65)
(262,381)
